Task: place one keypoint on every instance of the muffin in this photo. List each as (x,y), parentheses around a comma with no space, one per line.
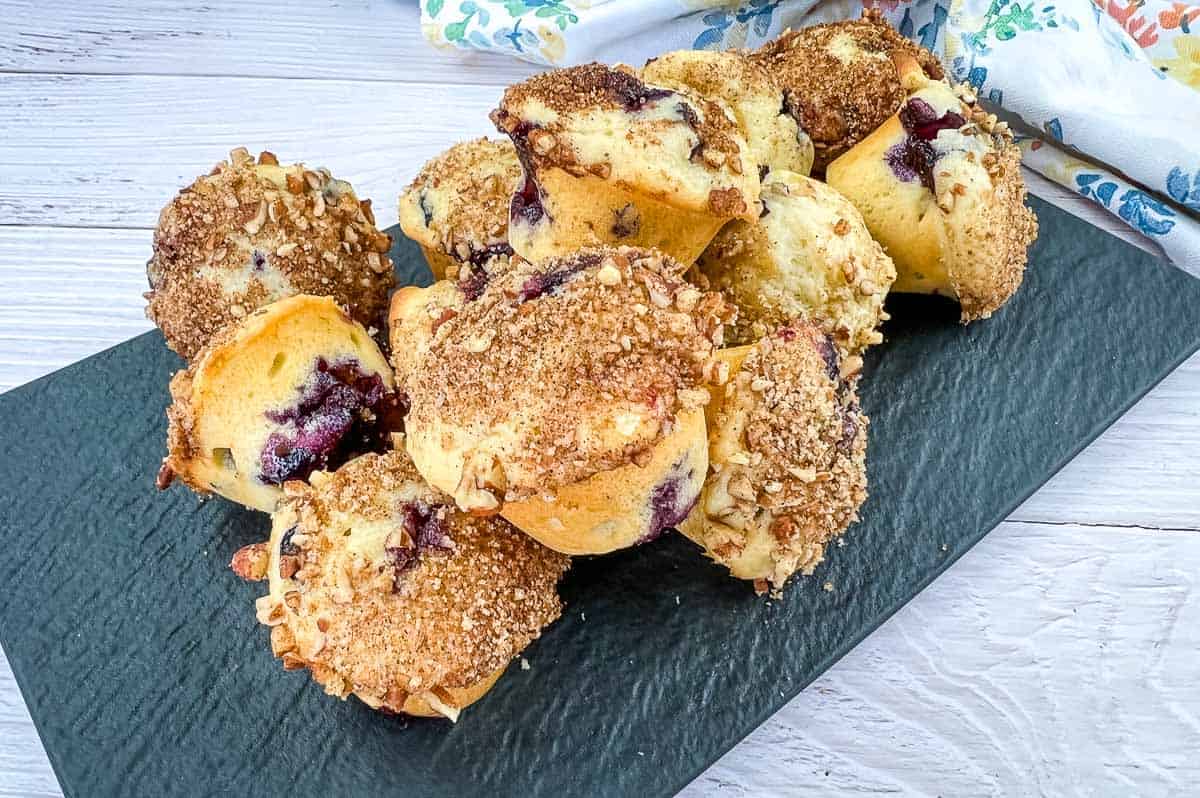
(249,234)
(746,89)
(810,256)
(554,378)
(787,454)
(295,386)
(839,79)
(940,186)
(382,589)
(608,159)
(457,207)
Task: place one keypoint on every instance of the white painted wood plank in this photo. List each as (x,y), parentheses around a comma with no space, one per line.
(111,151)
(24,769)
(1048,661)
(378,41)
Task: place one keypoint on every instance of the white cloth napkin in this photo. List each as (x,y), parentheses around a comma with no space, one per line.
(1113,86)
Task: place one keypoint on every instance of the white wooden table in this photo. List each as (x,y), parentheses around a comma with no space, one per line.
(1059,657)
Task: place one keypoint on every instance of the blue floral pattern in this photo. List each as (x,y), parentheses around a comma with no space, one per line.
(756,14)
(1049,62)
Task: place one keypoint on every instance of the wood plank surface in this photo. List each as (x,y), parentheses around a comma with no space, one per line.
(1056,658)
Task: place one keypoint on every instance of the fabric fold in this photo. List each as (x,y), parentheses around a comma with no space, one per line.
(1111,86)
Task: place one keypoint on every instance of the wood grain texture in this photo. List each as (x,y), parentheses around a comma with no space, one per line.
(85,151)
(1057,658)
(24,768)
(113,157)
(1050,660)
(363,41)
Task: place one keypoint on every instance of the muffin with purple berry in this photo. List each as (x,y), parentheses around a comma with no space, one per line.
(566,395)
(382,589)
(249,234)
(840,81)
(610,159)
(294,387)
(809,256)
(787,448)
(939,185)
(457,207)
(748,91)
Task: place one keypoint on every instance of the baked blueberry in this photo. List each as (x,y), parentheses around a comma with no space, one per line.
(939,185)
(382,589)
(610,159)
(294,387)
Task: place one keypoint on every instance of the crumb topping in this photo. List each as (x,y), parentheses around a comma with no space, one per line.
(1008,228)
(839,79)
(575,91)
(810,255)
(251,233)
(458,203)
(461,610)
(788,452)
(570,367)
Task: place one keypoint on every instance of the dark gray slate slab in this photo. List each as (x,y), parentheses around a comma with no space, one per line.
(143,667)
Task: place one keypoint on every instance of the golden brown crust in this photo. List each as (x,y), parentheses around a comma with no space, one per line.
(1014,228)
(551,360)
(180,423)
(235,240)
(809,255)
(401,618)
(839,79)
(458,203)
(596,86)
(787,459)
(220,420)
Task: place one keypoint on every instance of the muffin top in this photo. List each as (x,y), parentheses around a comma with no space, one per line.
(458,203)
(251,233)
(840,80)
(809,255)
(383,589)
(787,448)
(746,89)
(601,121)
(556,371)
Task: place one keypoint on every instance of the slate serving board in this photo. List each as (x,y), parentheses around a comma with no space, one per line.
(142,665)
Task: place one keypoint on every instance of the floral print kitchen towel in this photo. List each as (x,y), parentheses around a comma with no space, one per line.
(1111,87)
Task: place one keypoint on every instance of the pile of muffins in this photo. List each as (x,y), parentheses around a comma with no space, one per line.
(651,308)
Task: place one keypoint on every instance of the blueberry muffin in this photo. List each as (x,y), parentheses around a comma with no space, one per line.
(559,383)
(747,90)
(839,79)
(382,589)
(940,186)
(249,234)
(609,159)
(810,256)
(457,207)
(787,458)
(295,386)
